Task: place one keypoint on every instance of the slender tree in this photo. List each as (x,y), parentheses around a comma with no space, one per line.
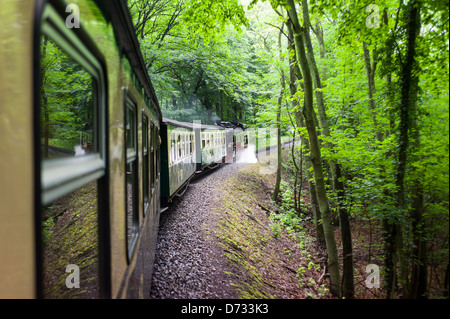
(280,102)
(338,185)
(316,158)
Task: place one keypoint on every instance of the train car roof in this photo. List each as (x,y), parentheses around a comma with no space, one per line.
(191,125)
(118,13)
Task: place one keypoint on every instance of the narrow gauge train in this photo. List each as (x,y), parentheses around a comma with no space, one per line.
(189,148)
(85,155)
(186,149)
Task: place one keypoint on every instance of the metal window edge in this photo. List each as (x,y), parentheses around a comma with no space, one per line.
(60,177)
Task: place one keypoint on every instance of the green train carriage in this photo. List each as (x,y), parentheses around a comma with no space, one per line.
(187,149)
(79,158)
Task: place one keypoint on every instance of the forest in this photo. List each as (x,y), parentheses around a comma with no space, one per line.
(361,85)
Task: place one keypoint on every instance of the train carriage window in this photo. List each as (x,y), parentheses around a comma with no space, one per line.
(70,132)
(172,147)
(131,184)
(182,145)
(157,153)
(67,112)
(152,156)
(145,162)
(179,146)
(203,141)
(186,144)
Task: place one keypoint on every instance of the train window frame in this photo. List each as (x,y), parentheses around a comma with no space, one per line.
(60,177)
(172,148)
(203,141)
(182,145)
(132,159)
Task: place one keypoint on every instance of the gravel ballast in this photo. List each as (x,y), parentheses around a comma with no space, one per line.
(188,263)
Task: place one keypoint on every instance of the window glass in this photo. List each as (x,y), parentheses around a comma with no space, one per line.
(69,218)
(67,120)
(69,231)
(130,127)
(179,145)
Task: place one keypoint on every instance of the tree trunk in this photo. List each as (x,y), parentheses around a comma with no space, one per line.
(348,288)
(370,70)
(280,101)
(407,101)
(419,274)
(348,285)
(308,112)
(294,72)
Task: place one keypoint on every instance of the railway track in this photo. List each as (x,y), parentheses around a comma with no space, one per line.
(188,262)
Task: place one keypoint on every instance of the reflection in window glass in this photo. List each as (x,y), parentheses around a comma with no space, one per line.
(69,230)
(130,125)
(179,145)
(69,225)
(67,105)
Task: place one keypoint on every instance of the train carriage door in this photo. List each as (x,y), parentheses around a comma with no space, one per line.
(179,145)
(132,177)
(157,153)
(72,191)
(145,162)
(183,146)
